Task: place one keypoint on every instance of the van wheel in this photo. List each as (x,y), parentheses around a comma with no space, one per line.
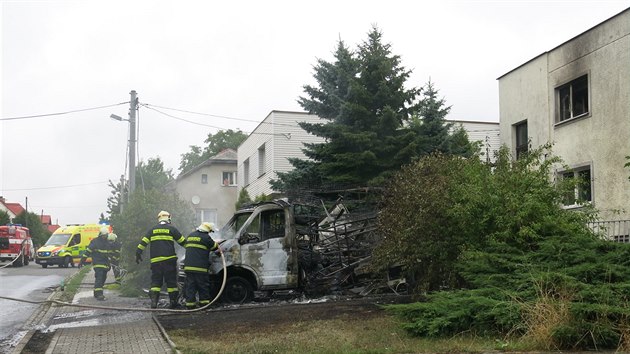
(44,265)
(237,291)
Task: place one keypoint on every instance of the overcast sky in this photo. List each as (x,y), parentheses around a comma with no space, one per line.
(239,59)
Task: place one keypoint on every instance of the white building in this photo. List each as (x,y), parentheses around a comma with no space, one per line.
(577,96)
(278,137)
(267,149)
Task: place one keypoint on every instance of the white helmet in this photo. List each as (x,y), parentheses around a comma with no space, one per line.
(206,227)
(112,237)
(164,216)
(104,231)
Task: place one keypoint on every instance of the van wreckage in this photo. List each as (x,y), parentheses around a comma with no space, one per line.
(281,248)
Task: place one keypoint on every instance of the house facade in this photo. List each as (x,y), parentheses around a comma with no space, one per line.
(267,149)
(576,96)
(210,188)
(487,133)
(279,137)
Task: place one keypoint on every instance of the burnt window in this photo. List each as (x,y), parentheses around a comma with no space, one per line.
(572,99)
(522,140)
(581,191)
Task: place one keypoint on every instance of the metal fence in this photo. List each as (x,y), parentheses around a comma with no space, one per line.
(613,230)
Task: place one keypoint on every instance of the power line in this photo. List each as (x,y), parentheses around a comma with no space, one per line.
(201,114)
(55,187)
(213,126)
(61,113)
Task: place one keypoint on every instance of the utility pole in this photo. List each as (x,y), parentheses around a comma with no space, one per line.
(133,106)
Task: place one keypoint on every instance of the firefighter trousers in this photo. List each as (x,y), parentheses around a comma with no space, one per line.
(197,283)
(164,272)
(100,275)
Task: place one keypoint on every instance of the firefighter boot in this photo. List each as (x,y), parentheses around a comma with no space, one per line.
(155,297)
(173,297)
(98,294)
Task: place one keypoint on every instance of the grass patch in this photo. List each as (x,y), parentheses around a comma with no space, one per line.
(373,335)
(73,284)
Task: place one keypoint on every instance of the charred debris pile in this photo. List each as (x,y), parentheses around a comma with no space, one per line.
(336,233)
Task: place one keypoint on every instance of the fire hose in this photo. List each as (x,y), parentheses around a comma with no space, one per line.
(16,257)
(63,303)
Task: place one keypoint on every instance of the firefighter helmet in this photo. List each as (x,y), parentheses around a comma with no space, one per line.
(164,216)
(206,227)
(104,231)
(112,237)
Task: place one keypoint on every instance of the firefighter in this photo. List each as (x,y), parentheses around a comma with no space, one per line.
(98,249)
(198,247)
(161,237)
(114,256)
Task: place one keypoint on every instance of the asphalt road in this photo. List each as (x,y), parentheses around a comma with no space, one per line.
(30,282)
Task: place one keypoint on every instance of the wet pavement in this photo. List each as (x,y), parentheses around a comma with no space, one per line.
(29,282)
(68,329)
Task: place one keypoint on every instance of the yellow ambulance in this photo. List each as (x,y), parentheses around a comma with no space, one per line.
(67,244)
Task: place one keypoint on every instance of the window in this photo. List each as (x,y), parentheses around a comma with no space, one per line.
(522,140)
(229,179)
(572,99)
(246,172)
(209,215)
(582,186)
(261,160)
(204,178)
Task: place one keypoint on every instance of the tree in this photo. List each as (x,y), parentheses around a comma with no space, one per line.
(4,217)
(223,139)
(132,224)
(367,131)
(39,233)
(152,174)
(243,198)
(149,175)
(432,132)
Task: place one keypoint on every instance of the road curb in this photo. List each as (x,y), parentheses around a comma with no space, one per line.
(165,335)
(41,315)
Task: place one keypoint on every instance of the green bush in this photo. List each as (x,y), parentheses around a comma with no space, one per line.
(497,255)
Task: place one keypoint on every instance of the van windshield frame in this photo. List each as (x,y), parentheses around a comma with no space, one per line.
(58,240)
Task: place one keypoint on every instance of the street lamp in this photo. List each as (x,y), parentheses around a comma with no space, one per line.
(132,140)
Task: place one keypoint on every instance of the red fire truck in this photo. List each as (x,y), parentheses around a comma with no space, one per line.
(15,243)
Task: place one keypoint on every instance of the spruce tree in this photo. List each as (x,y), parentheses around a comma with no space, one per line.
(362,95)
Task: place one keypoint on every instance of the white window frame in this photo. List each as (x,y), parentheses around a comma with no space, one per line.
(230,176)
(576,171)
(205,215)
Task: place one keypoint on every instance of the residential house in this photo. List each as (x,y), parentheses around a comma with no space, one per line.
(267,149)
(279,137)
(47,222)
(577,97)
(13,209)
(210,188)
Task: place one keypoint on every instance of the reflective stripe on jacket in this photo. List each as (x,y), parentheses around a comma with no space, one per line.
(162,237)
(98,249)
(198,247)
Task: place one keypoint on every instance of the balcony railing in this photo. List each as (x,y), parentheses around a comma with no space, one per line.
(614,230)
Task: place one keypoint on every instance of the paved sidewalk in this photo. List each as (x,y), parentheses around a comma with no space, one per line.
(85,330)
